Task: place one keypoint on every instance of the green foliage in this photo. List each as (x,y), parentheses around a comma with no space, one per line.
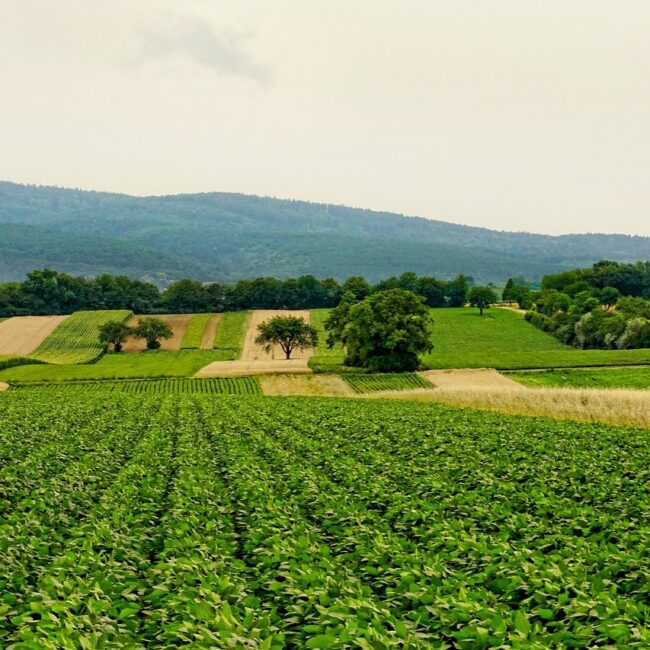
(481,297)
(289,332)
(180,386)
(308,523)
(11,361)
(325,359)
(114,333)
(637,378)
(385,332)
(153,329)
(76,339)
(231,332)
(504,340)
(194,332)
(232,236)
(150,364)
(370,383)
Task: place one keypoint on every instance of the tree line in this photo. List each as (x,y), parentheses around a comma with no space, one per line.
(46,291)
(606,306)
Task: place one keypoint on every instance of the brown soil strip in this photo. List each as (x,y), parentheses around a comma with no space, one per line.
(254,360)
(178,323)
(207,342)
(21,335)
(305,385)
(3,386)
(470,378)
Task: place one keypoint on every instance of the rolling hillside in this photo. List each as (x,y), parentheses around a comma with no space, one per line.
(220,236)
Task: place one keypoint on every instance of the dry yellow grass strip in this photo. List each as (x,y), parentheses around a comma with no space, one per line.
(21,335)
(470,378)
(626,407)
(178,323)
(207,342)
(305,385)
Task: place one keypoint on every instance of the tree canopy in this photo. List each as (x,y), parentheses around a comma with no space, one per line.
(289,332)
(481,297)
(385,332)
(152,330)
(114,333)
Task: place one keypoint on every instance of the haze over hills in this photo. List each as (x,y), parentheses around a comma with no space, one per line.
(224,237)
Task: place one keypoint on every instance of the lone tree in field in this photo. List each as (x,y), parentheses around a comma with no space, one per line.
(481,297)
(289,332)
(152,330)
(385,332)
(114,333)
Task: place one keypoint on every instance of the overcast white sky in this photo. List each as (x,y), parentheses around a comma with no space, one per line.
(510,114)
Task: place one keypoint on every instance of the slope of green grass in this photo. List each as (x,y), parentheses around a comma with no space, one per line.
(370,383)
(503,339)
(324,360)
(150,364)
(231,332)
(76,339)
(194,332)
(638,378)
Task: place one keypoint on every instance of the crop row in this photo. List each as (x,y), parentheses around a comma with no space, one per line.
(171,386)
(76,339)
(369,383)
(269,523)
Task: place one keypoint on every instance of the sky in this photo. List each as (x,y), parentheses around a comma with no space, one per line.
(509,114)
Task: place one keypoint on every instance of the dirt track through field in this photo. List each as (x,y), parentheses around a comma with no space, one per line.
(21,335)
(254,360)
(207,342)
(469,378)
(178,323)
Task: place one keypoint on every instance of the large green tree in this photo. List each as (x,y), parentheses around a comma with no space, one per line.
(289,332)
(152,330)
(481,297)
(114,333)
(385,332)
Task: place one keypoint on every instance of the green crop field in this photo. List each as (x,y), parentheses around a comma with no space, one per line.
(637,378)
(150,364)
(11,361)
(194,332)
(503,339)
(213,522)
(324,360)
(76,339)
(369,383)
(231,332)
(175,386)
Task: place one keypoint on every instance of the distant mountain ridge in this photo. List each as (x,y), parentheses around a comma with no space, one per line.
(224,237)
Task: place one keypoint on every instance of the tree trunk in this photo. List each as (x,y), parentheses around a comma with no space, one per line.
(117,346)
(481,308)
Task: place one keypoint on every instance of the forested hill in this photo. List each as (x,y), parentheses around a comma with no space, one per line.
(225,237)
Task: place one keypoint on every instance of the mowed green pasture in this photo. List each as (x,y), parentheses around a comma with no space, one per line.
(146,521)
(503,339)
(76,339)
(635,378)
(230,334)
(152,364)
(323,359)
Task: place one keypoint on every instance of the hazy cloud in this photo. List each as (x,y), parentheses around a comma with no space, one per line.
(221,50)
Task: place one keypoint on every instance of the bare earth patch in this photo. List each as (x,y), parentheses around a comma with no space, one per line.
(207,342)
(3,386)
(21,335)
(178,323)
(254,360)
(469,378)
(305,385)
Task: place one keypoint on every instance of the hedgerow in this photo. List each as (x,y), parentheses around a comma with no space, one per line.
(149,521)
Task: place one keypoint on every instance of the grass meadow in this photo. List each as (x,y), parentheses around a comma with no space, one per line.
(635,378)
